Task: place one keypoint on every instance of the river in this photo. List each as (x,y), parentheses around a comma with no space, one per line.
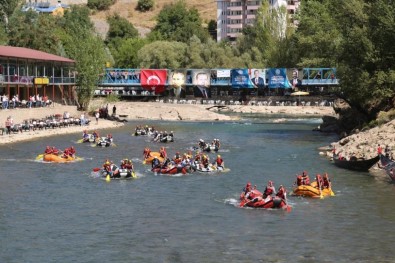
(61,213)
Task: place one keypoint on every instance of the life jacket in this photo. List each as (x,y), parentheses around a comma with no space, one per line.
(268,190)
(326,183)
(48,151)
(320,182)
(305,180)
(299,180)
(281,192)
(219,161)
(163,153)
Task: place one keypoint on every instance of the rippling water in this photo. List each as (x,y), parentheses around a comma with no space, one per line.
(61,213)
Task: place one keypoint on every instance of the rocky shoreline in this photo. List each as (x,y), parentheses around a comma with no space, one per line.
(365,144)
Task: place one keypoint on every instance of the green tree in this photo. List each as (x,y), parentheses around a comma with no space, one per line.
(81,44)
(100,4)
(7,7)
(176,22)
(318,38)
(120,28)
(163,54)
(32,30)
(126,52)
(145,5)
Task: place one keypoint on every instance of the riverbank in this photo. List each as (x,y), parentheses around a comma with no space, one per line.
(143,111)
(365,144)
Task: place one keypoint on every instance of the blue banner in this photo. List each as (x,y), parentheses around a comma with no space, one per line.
(241,79)
(278,78)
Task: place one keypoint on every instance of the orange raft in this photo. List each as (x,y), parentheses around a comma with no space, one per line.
(312,190)
(151,157)
(57,159)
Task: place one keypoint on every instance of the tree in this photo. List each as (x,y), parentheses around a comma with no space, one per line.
(176,23)
(145,5)
(7,7)
(120,28)
(100,4)
(83,45)
(126,52)
(32,30)
(163,54)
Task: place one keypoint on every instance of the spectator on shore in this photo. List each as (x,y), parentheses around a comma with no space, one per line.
(66,115)
(97,115)
(114,110)
(5,101)
(45,101)
(38,100)
(32,101)
(82,119)
(8,124)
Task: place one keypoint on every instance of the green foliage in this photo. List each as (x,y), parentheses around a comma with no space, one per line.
(111,98)
(163,54)
(31,30)
(126,51)
(176,22)
(100,4)
(212,29)
(145,5)
(385,116)
(120,28)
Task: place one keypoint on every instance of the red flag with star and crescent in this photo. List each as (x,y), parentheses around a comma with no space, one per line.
(153,79)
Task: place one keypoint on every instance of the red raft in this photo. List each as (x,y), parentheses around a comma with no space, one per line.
(171,170)
(256,200)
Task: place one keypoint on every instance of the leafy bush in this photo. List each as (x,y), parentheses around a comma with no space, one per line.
(100,4)
(145,5)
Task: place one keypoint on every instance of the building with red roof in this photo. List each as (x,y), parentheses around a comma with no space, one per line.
(26,72)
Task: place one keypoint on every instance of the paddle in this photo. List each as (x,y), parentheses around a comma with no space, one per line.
(108,178)
(246,203)
(80,141)
(96,169)
(134,174)
(40,156)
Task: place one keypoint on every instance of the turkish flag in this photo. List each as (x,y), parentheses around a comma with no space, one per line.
(153,79)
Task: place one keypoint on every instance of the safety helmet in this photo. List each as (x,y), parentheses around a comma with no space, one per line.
(177,152)
(171,132)
(201,140)
(218,156)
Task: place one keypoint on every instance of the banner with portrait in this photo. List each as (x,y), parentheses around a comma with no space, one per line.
(278,78)
(258,77)
(153,80)
(201,80)
(177,81)
(241,79)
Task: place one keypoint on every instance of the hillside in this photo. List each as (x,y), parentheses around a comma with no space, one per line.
(144,22)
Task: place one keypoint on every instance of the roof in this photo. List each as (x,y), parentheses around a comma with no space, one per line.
(27,53)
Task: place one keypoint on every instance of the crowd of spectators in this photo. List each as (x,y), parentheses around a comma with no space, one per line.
(34,101)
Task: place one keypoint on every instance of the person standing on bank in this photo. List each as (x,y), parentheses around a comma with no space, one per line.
(97,115)
(114,110)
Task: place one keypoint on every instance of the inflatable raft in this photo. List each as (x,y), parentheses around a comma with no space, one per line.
(152,155)
(57,158)
(312,190)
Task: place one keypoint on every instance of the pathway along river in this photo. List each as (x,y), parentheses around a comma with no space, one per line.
(60,213)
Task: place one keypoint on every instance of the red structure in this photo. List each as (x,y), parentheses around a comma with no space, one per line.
(28,72)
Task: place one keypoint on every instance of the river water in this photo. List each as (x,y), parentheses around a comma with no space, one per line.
(62,213)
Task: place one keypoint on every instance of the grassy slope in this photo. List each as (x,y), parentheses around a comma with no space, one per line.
(127,9)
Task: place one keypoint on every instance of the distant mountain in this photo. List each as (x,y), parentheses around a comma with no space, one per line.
(145,21)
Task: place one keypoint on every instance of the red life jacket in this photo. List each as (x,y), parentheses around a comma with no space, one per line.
(219,161)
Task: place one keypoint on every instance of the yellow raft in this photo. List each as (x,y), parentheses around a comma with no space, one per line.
(57,159)
(153,154)
(312,191)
